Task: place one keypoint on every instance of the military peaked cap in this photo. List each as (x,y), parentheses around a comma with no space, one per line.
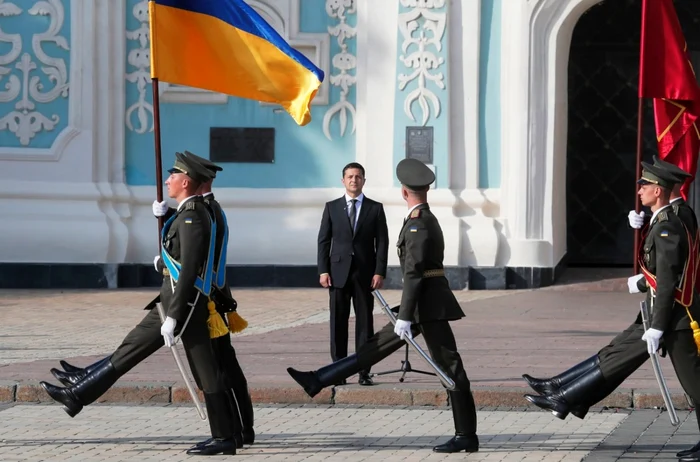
(206,163)
(414,174)
(655,174)
(191,168)
(678,172)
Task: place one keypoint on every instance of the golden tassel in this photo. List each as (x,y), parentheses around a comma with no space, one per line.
(235,322)
(216,325)
(696,334)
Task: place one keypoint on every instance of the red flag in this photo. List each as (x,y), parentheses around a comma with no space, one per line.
(666,74)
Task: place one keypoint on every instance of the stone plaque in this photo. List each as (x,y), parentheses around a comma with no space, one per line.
(236,144)
(419,144)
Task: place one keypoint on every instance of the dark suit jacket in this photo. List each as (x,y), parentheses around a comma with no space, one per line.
(338,248)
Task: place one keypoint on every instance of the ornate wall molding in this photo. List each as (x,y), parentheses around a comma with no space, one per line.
(26,121)
(418,38)
(343,62)
(140,58)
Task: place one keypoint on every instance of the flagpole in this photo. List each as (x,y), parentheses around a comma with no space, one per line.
(156,116)
(638,173)
(159,162)
(640,138)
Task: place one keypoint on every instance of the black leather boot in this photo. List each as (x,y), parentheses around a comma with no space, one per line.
(464,415)
(315,381)
(696,448)
(570,395)
(72,374)
(85,392)
(552,385)
(688,452)
(221,424)
(245,407)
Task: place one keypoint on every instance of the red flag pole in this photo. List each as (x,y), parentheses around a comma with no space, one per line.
(640,139)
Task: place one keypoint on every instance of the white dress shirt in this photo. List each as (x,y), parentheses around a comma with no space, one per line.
(358,206)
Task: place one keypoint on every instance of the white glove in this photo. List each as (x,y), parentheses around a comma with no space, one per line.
(167,330)
(160,208)
(155,262)
(652,337)
(636,220)
(403,329)
(632,283)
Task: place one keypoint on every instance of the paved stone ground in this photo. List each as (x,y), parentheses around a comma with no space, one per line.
(294,433)
(504,334)
(111,433)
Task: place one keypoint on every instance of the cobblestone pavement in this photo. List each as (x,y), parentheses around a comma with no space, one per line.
(51,324)
(296,433)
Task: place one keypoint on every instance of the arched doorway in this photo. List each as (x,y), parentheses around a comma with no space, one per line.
(603,73)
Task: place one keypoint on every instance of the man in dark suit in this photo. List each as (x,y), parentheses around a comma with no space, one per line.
(427,306)
(353,243)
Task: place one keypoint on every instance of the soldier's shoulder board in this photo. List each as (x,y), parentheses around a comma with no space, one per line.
(191,205)
(663,216)
(415,213)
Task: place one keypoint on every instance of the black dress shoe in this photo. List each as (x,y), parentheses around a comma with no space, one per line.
(694,457)
(459,443)
(237,438)
(365,380)
(214,446)
(689,451)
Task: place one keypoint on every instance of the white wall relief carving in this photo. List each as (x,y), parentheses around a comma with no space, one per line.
(25,121)
(140,59)
(343,62)
(417,54)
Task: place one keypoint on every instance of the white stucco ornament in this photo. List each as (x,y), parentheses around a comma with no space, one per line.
(25,121)
(140,58)
(420,43)
(343,63)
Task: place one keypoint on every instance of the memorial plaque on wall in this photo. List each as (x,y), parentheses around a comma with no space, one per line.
(234,144)
(419,144)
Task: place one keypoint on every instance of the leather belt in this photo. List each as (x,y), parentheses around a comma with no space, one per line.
(434,273)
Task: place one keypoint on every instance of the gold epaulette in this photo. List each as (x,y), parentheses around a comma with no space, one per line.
(415,213)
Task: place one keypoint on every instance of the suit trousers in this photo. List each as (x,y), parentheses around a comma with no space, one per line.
(443,351)
(361,294)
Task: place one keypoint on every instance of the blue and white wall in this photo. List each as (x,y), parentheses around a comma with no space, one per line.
(77,167)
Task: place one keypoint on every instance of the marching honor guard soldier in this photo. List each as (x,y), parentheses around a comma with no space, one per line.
(188,253)
(427,304)
(226,305)
(668,258)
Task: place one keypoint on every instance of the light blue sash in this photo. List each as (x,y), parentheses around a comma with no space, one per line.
(203,282)
(220,272)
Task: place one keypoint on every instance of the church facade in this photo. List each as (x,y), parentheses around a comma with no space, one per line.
(497,101)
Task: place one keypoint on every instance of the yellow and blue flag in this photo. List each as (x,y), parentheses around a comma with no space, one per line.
(226,47)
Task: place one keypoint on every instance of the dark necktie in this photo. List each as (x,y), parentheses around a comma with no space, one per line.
(353,211)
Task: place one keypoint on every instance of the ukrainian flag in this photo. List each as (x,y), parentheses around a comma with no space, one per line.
(226,47)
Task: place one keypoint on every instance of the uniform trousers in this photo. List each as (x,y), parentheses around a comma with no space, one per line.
(359,290)
(443,351)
